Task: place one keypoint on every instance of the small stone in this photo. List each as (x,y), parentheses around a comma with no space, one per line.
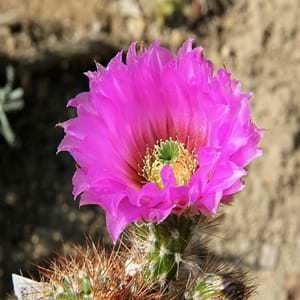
(56,236)
(269,256)
(135,27)
(35,239)
(10,198)
(129,8)
(72,216)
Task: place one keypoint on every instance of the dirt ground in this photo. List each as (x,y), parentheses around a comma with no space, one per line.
(50,44)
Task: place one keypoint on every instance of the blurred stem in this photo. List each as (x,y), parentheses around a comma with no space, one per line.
(10,100)
(6,130)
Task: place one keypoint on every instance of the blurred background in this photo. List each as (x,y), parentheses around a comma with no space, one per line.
(46,45)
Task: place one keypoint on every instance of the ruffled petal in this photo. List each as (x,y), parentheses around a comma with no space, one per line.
(126,214)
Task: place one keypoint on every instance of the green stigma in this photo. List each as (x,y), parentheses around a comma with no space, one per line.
(174,154)
(167,152)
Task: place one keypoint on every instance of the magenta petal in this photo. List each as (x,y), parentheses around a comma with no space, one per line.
(132,57)
(154,203)
(89,197)
(229,192)
(195,189)
(210,203)
(149,195)
(127,213)
(180,198)
(167,176)
(208,158)
(247,153)
(83,104)
(80,183)
(186,47)
(224,176)
(67,143)
(106,193)
(158,57)
(159,213)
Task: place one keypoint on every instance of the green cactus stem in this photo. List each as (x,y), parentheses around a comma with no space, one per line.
(164,245)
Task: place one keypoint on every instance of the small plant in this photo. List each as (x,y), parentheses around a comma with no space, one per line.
(10,100)
(167,8)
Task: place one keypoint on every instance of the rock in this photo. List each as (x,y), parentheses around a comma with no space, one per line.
(129,8)
(269,256)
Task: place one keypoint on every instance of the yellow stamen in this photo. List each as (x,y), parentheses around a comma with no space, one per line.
(174,154)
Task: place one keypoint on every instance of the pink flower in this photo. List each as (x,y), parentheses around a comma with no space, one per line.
(159,134)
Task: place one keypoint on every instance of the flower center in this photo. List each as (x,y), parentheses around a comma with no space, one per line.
(174,154)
